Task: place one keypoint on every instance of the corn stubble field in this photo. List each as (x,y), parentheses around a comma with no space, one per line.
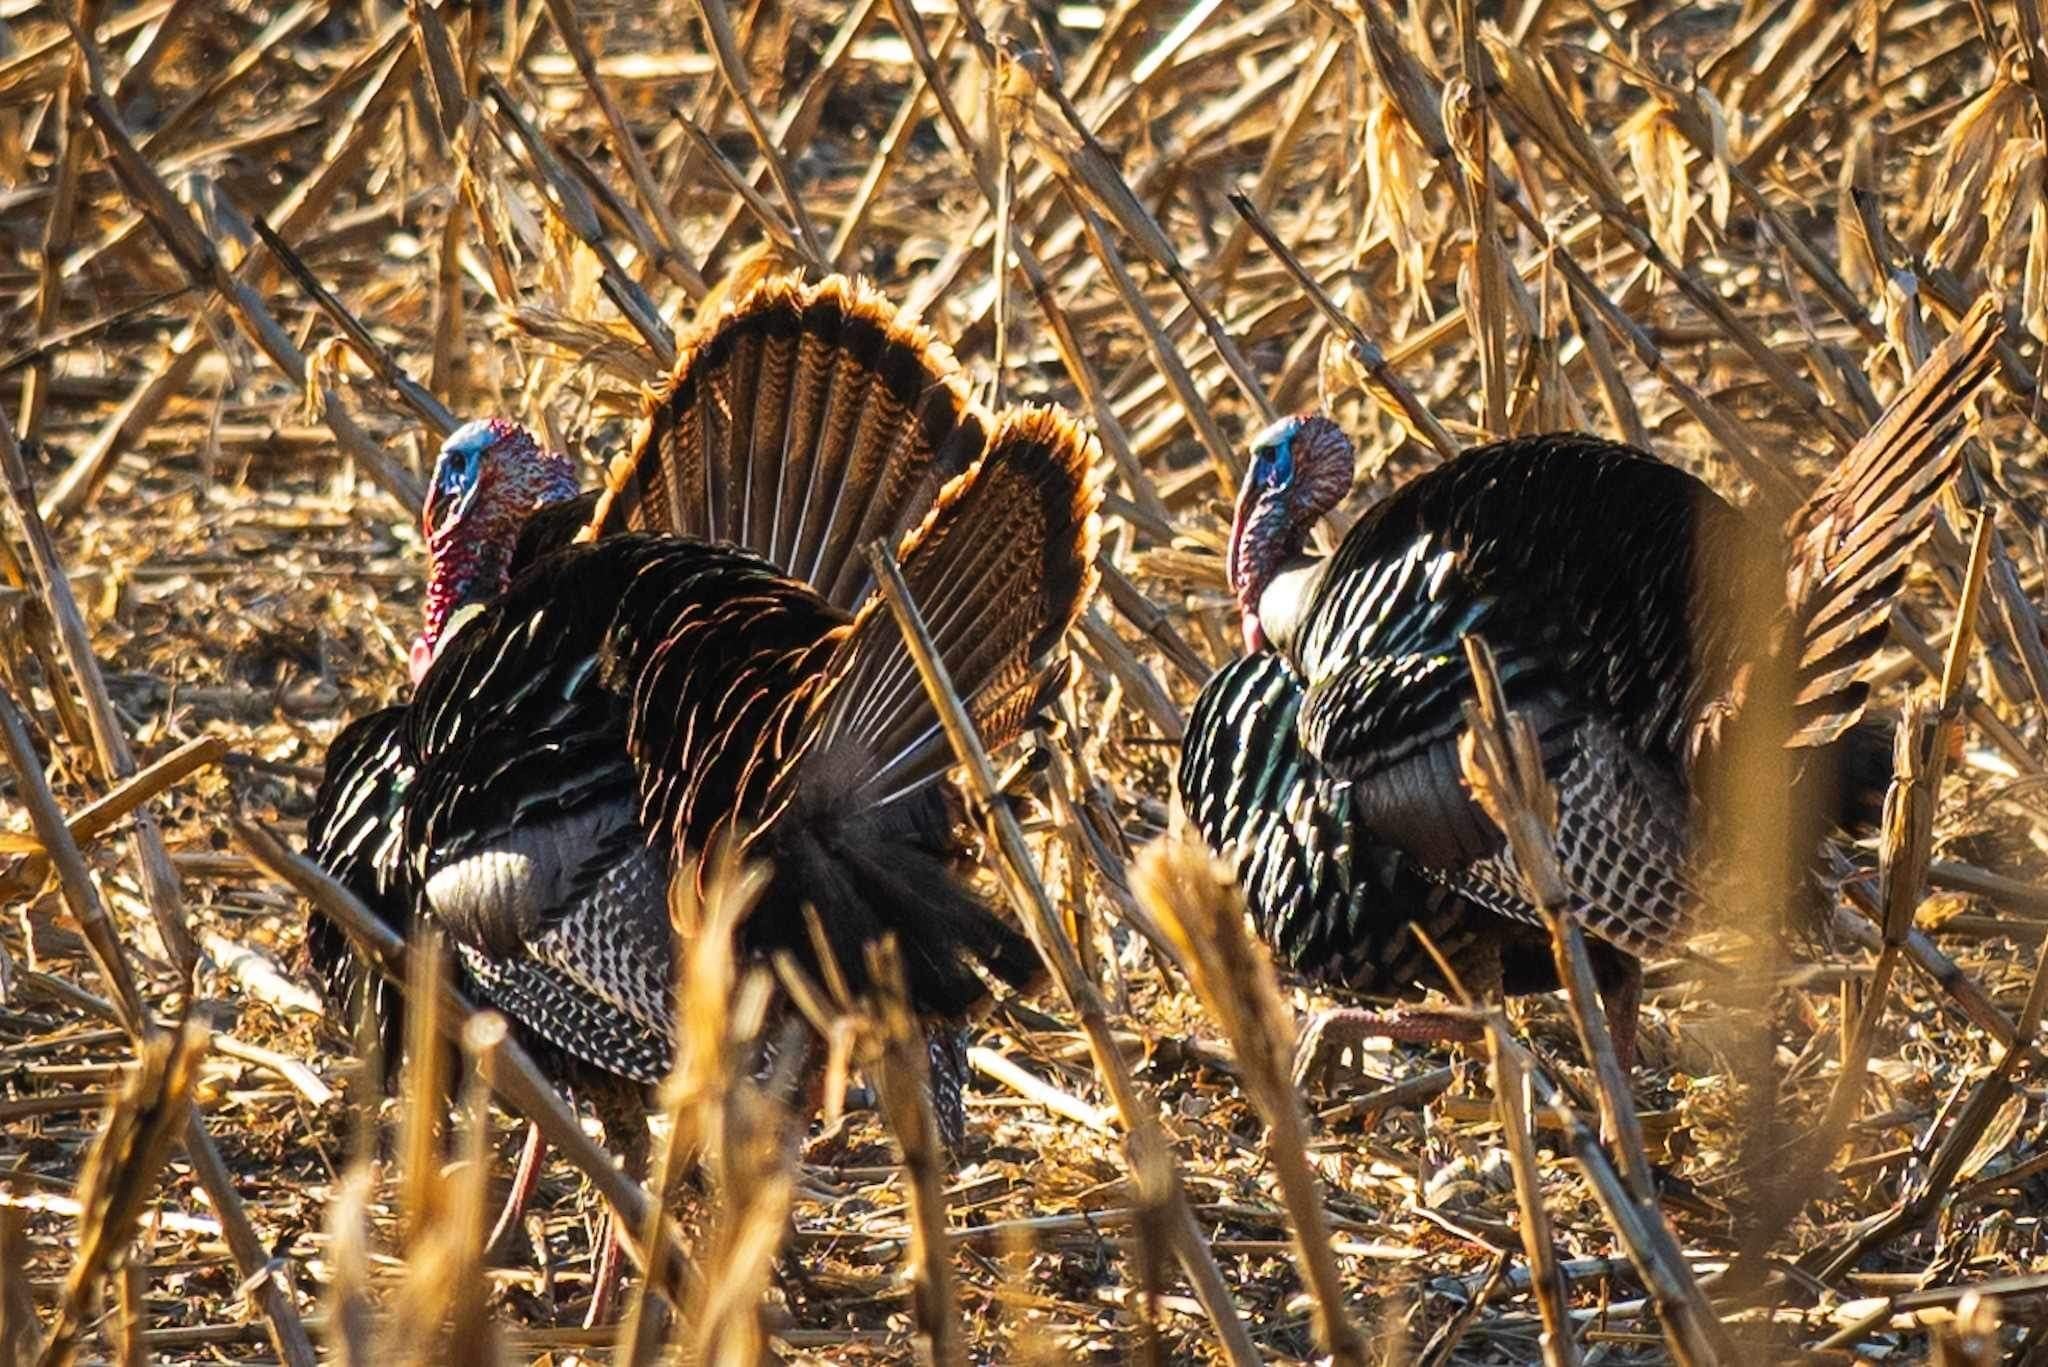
(1722,231)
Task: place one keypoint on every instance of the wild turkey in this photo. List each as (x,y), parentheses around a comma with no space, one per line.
(626,703)
(496,504)
(490,480)
(1325,761)
(632,700)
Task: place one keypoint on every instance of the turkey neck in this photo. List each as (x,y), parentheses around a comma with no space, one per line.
(1285,599)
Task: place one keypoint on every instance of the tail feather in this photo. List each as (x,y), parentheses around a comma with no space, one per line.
(1000,570)
(1853,539)
(802,423)
(868,882)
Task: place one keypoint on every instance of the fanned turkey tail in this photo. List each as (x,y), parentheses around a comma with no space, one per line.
(1000,570)
(801,423)
(1850,543)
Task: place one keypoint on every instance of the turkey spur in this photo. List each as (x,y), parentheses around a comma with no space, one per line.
(1612,590)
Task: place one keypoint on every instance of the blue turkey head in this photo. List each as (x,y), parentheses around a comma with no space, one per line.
(490,477)
(1301,467)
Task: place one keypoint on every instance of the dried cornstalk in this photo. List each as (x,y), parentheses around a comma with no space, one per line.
(1194,899)
(1504,767)
(142,1123)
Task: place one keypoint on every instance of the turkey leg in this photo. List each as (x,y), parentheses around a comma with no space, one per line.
(525,1177)
(622,1111)
(1620,980)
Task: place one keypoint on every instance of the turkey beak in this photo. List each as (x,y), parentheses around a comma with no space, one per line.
(419,658)
(1254,632)
(441,520)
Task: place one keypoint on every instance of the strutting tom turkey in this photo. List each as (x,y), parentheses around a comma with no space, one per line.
(713,659)
(1609,585)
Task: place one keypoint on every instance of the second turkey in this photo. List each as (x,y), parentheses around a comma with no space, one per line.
(1634,614)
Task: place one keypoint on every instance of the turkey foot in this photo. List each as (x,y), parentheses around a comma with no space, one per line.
(1330,1032)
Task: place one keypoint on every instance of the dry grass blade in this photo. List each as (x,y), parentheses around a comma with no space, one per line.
(786,234)
(890,154)
(1546,1277)
(1469,125)
(1223,456)
(19,1336)
(94,820)
(900,1065)
(611,351)
(1194,900)
(143,1121)
(421,1185)
(58,228)
(715,1107)
(46,348)
(74,877)
(724,1317)
(351,1317)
